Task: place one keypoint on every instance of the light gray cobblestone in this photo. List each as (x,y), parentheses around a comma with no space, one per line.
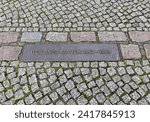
(71,87)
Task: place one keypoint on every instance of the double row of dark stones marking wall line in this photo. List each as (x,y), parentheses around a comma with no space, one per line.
(129,45)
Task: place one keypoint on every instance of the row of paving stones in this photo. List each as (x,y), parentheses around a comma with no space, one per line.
(132,45)
(123,82)
(74,15)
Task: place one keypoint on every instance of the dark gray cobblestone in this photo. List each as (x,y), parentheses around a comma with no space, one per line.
(74,15)
(42,84)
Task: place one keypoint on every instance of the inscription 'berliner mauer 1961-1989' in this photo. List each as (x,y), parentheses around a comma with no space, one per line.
(71,52)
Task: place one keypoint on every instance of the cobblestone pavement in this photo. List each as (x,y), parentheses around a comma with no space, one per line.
(123,82)
(74,15)
(125,23)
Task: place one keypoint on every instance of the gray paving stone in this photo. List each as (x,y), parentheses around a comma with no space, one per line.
(50,71)
(2,97)
(1,87)
(31,70)
(9,102)
(25,89)
(111,71)
(19,94)
(59,102)
(23,80)
(126,98)
(126,78)
(42,76)
(127,88)
(114,99)
(93,101)
(83,36)
(105,90)
(55,85)
(88,78)
(88,93)
(69,85)
(130,51)
(33,79)
(147,50)
(139,71)
(66,97)
(116,78)
(85,71)
(136,79)
(38,95)
(142,102)
(101,98)
(119,92)
(8,37)
(10,52)
(135,96)
(102,64)
(82,100)
(57,36)
(6,84)
(68,73)
(29,100)
(133,102)
(61,90)
(139,36)
(31,37)
(45,100)
(94,73)
(82,87)
(71,102)
(133,85)
(44,83)
(62,79)
(91,84)
(21,71)
(75,93)
(52,79)
(16,87)
(130,70)
(102,71)
(60,72)
(78,79)
(46,90)
(107,102)
(146,69)
(9,93)
(53,96)
(112,36)
(112,86)
(121,71)
(148,98)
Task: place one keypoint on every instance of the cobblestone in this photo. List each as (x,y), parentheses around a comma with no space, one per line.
(87,15)
(130,51)
(75,88)
(31,37)
(112,36)
(124,23)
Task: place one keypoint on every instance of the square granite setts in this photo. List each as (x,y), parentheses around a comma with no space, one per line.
(31,37)
(70,52)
